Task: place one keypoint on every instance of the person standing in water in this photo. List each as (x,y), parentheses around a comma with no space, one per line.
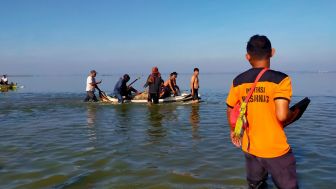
(91,85)
(264,141)
(194,85)
(154,82)
(4,80)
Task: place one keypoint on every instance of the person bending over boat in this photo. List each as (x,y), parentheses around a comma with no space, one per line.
(4,80)
(91,85)
(154,82)
(194,85)
(170,87)
(121,89)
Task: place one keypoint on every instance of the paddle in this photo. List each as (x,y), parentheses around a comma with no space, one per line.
(101,93)
(133,81)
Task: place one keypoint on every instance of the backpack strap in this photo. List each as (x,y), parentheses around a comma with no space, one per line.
(255,84)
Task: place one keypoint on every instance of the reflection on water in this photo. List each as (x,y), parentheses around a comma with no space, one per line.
(194,119)
(122,112)
(91,123)
(155,117)
(91,115)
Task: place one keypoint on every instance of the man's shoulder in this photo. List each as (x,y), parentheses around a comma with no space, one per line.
(274,76)
(250,75)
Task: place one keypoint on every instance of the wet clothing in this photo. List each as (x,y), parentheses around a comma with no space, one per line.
(167,92)
(281,168)
(90,96)
(195,96)
(154,82)
(153,97)
(265,136)
(121,89)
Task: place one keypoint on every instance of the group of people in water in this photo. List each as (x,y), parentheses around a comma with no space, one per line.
(264,140)
(157,87)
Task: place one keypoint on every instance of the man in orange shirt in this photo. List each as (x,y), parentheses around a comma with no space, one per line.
(264,142)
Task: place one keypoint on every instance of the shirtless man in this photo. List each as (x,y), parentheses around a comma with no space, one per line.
(194,85)
(170,86)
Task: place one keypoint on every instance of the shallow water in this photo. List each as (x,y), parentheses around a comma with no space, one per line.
(50,139)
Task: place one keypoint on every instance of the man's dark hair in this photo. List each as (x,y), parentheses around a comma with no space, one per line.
(126,77)
(259,47)
(173,73)
(196,69)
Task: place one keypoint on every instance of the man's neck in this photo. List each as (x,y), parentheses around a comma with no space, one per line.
(261,64)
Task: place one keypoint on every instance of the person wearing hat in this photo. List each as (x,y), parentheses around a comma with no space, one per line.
(91,85)
(4,80)
(121,89)
(170,86)
(154,82)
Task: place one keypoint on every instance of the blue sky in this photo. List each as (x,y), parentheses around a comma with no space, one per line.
(74,36)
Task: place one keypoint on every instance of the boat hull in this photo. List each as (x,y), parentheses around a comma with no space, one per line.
(7,87)
(181,98)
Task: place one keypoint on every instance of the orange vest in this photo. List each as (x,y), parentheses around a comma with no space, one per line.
(265,136)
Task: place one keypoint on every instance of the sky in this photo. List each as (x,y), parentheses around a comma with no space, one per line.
(131,36)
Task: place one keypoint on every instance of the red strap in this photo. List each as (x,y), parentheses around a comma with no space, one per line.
(255,84)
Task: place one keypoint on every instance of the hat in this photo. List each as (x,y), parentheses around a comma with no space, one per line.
(155,70)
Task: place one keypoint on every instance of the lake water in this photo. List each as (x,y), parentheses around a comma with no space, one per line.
(50,139)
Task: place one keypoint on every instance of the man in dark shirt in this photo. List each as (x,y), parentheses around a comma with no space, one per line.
(121,89)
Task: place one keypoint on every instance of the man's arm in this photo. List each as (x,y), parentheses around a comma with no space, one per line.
(147,82)
(192,81)
(171,86)
(283,113)
(95,83)
(235,140)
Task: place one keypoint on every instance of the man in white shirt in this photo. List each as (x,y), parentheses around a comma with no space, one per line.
(4,80)
(91,84)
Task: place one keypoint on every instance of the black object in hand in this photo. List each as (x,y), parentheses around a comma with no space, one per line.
(302,106)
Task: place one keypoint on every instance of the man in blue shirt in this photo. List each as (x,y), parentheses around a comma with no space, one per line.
(121,89)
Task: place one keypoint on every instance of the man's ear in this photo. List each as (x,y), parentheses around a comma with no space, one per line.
(273,52)
(248,57)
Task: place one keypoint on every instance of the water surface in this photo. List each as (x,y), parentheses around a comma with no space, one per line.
(50,139)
